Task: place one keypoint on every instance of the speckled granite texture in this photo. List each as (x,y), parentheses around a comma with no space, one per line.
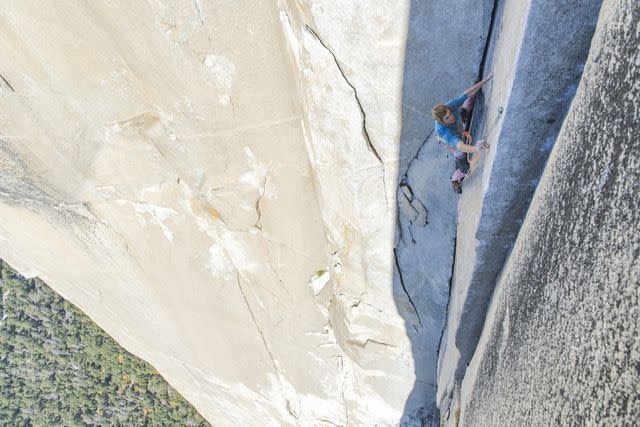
(560,346)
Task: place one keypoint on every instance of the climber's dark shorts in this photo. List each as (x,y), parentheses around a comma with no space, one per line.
(463,164)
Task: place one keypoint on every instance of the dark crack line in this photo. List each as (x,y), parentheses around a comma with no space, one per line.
(405,176)
(264,341)
(417,153)
(410,198)
(395,255)
(487,42)
(446,309)
(255,322)
(400,227)
(355,92)
(7,83)
(413,239)
(485,54)
(426,211)
(365,132)
(405,185)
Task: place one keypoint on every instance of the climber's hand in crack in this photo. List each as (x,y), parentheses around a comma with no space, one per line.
(476,87)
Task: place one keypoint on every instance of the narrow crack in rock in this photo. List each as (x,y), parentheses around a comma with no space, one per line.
(407,192)
(355,92)
(7,83)
(255,322)
(417,153)
(365,132)
(400,231)
(266,346)
(404,182)
(446,309)
(413,239)
(485,51)
(395,256)
(487,42)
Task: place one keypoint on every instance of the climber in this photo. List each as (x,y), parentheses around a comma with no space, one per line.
(449,127)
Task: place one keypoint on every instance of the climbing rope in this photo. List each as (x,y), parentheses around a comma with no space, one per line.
(468,139)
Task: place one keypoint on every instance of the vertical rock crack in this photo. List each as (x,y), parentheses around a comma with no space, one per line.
(7,83)
(395,255)
(365,132)
(255,322)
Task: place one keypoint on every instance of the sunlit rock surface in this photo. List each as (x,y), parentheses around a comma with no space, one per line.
(249,196)
(215,184)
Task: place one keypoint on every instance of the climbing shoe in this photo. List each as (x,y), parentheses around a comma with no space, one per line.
(457,187)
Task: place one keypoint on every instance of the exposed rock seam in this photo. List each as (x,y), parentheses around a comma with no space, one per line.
(365,132)
(264,341)
(7,83)
(355,93)
(255,322)
(487,41)
(405,177)
(411,197)
(446,309)
(404,181)
(417,153)
(399,224)
(395,256)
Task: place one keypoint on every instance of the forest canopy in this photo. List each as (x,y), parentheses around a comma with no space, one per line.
(57,368)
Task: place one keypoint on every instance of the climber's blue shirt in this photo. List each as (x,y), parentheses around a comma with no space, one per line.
(452,134)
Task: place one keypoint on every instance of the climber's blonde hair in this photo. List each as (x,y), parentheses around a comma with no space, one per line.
(439,111)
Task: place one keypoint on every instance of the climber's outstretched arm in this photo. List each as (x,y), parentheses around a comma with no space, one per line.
(476,87)
(481,144)
(466,148)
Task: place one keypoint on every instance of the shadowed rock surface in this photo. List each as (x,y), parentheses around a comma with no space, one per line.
(560,346)
(538,52)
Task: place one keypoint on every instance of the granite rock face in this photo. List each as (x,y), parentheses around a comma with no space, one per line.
(538,50)
(217,184)
(560,345)
(249,196)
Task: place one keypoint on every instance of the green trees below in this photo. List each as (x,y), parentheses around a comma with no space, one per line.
(57,368)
